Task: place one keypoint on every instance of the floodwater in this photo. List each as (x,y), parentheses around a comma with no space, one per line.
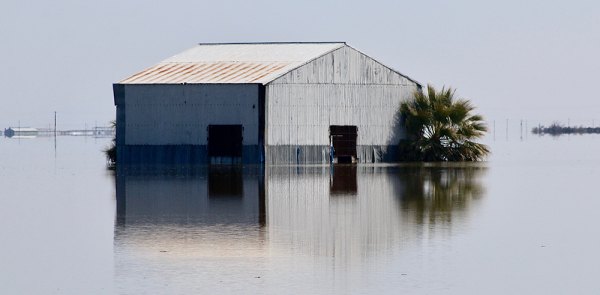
(525,222)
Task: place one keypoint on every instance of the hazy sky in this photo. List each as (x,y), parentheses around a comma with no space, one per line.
(537,60)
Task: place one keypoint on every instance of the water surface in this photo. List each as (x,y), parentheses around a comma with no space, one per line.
(523,222)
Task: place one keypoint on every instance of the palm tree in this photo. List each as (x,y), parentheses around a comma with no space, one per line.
(441,128)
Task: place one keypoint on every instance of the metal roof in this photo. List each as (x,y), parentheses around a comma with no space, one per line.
(232,63)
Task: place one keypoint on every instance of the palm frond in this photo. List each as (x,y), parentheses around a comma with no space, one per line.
(441,128)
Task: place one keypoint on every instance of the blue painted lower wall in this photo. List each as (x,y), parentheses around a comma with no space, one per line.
(180,154)
(251,154)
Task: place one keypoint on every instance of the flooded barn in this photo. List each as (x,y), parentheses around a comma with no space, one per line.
(274,103)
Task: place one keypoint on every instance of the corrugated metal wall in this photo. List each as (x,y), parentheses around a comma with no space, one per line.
(162,114)
(300,114)
(344,87)
(344,66)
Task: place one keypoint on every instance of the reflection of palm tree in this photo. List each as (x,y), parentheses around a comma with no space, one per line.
(434,193)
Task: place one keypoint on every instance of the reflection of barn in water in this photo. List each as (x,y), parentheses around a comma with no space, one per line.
(192,213)
(353,211)
(180,220)
(347,212)
(343,180)
(219,195)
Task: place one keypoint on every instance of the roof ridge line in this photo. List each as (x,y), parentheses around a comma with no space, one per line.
(271,42)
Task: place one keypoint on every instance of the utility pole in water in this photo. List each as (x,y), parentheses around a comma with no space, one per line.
(54,134)
(521,129)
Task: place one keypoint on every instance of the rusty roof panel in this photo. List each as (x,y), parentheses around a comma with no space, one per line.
(232,63)
(220,72)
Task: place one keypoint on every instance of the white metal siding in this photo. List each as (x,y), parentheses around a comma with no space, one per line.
(344,66)
(180,114)
(302,114)
(344,87)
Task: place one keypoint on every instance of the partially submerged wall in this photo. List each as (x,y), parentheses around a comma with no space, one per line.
(344,87)
(168,123)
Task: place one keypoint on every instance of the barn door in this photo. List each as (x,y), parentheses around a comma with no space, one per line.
(225,141)
(343,140)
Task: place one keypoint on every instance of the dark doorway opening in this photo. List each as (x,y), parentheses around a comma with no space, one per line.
(225,141)
(343,140)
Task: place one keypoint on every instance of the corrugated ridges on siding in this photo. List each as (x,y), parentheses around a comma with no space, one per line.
(345,65)
(300,114)
(343,87)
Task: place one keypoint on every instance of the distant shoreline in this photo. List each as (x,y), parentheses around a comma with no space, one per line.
(556,129)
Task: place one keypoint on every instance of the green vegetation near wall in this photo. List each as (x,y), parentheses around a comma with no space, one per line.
(441,128)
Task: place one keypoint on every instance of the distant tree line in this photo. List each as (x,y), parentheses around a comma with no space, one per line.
(556,129)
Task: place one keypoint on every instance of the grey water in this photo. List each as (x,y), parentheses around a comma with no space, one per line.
(523,222)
